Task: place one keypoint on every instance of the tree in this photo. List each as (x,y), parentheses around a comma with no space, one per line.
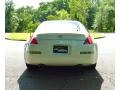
(79,10)
(44,10)
(26,20)
(91,15)
(61,4)
(49,9)
(10,17)
(60,15)
(105,17)
(94,14)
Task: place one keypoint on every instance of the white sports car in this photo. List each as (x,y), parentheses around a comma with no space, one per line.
(60,43)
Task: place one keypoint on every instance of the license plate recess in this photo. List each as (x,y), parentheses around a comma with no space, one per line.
(60,49)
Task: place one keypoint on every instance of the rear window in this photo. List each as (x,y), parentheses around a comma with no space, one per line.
(58,27)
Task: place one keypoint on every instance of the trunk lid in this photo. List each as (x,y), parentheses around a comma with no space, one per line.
(62,36)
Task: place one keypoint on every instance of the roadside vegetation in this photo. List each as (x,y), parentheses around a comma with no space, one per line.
(96,15)
(17,36)
(25,36)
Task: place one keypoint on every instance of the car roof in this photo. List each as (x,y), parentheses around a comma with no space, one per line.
(61,26)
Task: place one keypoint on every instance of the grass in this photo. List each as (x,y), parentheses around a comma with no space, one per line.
(97,35)
(24,36)
(17,36)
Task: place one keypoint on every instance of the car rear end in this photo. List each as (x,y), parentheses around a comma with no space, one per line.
(60,49)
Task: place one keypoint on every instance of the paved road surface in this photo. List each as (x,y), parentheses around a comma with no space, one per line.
(19,78)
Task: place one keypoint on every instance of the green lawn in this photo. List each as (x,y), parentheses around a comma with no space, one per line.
(24,36)
(97,35)
(17,36)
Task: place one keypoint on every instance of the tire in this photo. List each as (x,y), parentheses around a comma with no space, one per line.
(31,67)
(90,67)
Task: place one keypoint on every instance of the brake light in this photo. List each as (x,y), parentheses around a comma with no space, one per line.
(88,40)
(33,41)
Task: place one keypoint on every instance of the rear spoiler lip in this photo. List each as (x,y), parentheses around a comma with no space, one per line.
(62,37)
(62,33)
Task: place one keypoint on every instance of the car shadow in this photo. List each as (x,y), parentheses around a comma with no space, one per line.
(60,79)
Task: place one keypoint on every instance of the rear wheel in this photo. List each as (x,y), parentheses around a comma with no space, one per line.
(90,67)
(93,66)
(31,67)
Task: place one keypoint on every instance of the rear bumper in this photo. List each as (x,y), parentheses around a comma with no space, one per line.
(86,55)
(61,60)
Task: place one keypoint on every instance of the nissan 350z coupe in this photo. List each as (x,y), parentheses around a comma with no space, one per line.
(60,43)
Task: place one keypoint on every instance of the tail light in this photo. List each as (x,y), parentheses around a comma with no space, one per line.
(33,40)
(88,40)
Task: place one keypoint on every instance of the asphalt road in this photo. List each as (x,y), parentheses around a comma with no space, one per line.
(19,78)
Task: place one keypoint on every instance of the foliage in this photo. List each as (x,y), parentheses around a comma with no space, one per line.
(60,15)
(50,9)
(105,17)
(79,10)
(97,15)
(10,18)
(19,20)
(26,20)
(91,16)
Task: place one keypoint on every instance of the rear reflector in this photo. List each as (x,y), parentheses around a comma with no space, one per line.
(33,41)
(88,40)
